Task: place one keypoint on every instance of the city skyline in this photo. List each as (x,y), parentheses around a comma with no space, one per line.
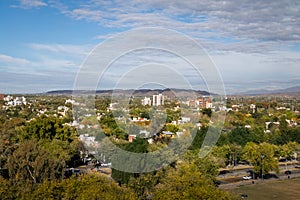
(254,44)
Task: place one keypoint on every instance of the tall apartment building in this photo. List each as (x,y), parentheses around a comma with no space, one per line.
(158,100)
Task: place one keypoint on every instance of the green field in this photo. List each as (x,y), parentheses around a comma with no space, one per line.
(279,189)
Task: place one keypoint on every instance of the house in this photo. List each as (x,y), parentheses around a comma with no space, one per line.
(144,133)
(70,101)
(62,110)
(18,101)
(185,119)
(88,140)
(131,137)
(112,106)
(146,101)
(8,98)
(179,133)
(141,121)
(252,107)
(168,134)
(150,140)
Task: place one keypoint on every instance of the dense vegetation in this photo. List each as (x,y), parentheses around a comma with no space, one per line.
(37,147)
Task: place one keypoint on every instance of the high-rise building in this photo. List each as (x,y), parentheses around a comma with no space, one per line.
(158,100)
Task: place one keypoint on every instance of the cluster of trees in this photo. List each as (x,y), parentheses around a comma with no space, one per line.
(192,178)
(258,148)
(263,156)
(279,134)
(87,187)
(36,151)
(35,154)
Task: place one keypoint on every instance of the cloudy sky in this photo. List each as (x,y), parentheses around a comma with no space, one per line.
(255,44)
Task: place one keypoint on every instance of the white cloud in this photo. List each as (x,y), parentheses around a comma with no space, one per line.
(248,40)
(31,4)
(74,50)
(12,60)
(254,20)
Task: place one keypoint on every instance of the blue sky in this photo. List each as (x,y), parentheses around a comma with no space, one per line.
(255,44)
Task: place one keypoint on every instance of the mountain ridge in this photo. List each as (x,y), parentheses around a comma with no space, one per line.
(289,90)
(139,92)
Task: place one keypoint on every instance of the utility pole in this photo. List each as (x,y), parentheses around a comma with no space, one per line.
(262,166)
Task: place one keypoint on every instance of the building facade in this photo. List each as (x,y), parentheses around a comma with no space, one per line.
(158,100)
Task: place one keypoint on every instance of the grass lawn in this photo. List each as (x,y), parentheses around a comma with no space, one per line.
(279,189)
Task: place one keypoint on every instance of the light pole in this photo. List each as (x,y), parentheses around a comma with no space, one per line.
(262,166)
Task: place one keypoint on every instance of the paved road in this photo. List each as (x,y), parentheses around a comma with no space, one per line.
(234,178)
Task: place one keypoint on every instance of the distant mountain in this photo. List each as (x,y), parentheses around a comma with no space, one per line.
(290,90)
(141,92)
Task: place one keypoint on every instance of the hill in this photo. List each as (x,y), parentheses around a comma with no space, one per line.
(130,92)
(289,91)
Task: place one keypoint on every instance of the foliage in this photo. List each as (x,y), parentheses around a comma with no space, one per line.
(172,128)
(207,111)
(228,154)
(34,162)
(187,182)
(261,156)
(48,128)
(199,138)
(83,187)
(240,136)
(144,185)
(206,165)
(139,145)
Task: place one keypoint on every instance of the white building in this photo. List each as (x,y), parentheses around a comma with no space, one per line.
(88,140)
(185,119)
(209,105)
(252,107)
(146,101)
(18,101)
(158,100)
(8,98)
(70,101)
(62,110)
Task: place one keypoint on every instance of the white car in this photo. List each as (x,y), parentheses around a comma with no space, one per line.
(105,164)
(246,177)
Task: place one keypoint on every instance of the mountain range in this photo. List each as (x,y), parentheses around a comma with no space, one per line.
(140,92)
(290,90)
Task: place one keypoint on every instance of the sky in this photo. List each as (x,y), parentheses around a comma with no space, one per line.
(254,44)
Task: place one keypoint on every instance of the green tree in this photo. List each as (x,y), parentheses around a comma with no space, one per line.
(199,138)
(139,145)
(30,162)
(172,128)
(48,128)
(261,156)
(240,136)
(207,111)
(227,154)
(87,187)
(205,165)
(283,126)
(144,185)
(187,182)
(287,150)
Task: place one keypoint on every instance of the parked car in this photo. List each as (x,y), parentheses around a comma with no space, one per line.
(105,164)
(246,177)
(288,172)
